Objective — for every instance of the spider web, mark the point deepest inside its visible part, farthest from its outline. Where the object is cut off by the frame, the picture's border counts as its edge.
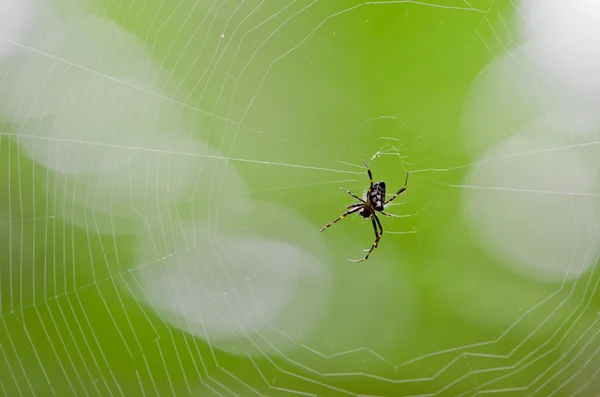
(167, 166)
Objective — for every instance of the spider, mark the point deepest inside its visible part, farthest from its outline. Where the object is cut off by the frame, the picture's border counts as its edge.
(368, 208)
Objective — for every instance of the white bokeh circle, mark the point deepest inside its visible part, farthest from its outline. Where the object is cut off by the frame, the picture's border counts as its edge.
(234, 291)
(531, 201)
(564, 38)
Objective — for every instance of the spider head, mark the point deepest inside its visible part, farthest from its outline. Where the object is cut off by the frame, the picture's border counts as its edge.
(365, 212)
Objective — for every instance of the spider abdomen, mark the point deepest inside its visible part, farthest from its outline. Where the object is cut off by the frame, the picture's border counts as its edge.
(377, 196)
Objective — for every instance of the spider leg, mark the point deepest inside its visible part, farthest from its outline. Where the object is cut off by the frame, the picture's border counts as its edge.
(379, 223)
(399, 191)
(378, 234)
(392, 215)
(369, 172)
(341, 217)
(354, 205)
(353, 195)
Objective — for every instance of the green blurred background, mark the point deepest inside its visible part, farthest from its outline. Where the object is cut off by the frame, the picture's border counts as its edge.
(293, 95)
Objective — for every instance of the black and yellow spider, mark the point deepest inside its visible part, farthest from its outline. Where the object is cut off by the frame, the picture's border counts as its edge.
(368, 207)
